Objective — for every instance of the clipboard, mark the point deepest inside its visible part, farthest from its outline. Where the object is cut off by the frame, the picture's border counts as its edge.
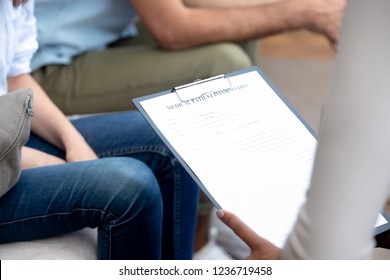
(288, 163)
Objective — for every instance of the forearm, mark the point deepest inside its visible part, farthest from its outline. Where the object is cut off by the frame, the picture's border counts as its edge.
(227, 3)
(35, 158)
(48, 121)
(198, 26)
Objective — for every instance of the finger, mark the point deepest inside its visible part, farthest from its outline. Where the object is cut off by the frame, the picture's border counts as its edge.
(242, 230)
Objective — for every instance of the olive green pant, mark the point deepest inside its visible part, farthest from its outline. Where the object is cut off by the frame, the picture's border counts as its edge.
(108, 80)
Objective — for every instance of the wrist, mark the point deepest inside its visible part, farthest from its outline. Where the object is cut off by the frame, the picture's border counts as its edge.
(71, 138)
(297, 15)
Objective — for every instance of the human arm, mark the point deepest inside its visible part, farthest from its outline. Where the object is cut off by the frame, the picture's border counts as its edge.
(177, 26)
(52, 125)
(227, 3)
(49, 123)
(34, 158)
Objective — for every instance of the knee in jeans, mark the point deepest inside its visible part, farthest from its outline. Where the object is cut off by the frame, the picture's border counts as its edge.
(131, 183)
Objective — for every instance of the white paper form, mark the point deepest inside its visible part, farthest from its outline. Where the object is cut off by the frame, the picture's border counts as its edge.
(252, 154)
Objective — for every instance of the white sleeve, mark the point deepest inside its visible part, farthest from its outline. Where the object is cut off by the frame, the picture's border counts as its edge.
(351, 175)
(25, 39)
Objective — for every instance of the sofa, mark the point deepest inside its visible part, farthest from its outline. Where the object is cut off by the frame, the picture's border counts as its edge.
(79, 245)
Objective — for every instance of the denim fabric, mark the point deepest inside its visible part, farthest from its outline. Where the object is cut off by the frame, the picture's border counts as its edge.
(138, 215)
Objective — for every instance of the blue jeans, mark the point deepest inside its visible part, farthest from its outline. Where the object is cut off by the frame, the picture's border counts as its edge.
(140, 198)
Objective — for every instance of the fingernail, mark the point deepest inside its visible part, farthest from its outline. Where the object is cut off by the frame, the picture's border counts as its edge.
(220, 213)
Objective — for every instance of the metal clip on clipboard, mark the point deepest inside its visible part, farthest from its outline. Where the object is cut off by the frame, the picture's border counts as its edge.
(199, 87)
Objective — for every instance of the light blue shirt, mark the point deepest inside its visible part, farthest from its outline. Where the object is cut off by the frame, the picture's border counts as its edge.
(17, 40)
(67, 28)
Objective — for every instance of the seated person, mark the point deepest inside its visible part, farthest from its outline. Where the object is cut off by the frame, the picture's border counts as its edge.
(350, 179)
(109, 172)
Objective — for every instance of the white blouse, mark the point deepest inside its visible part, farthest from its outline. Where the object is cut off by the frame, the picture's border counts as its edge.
(17, 40)
(351, 177)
